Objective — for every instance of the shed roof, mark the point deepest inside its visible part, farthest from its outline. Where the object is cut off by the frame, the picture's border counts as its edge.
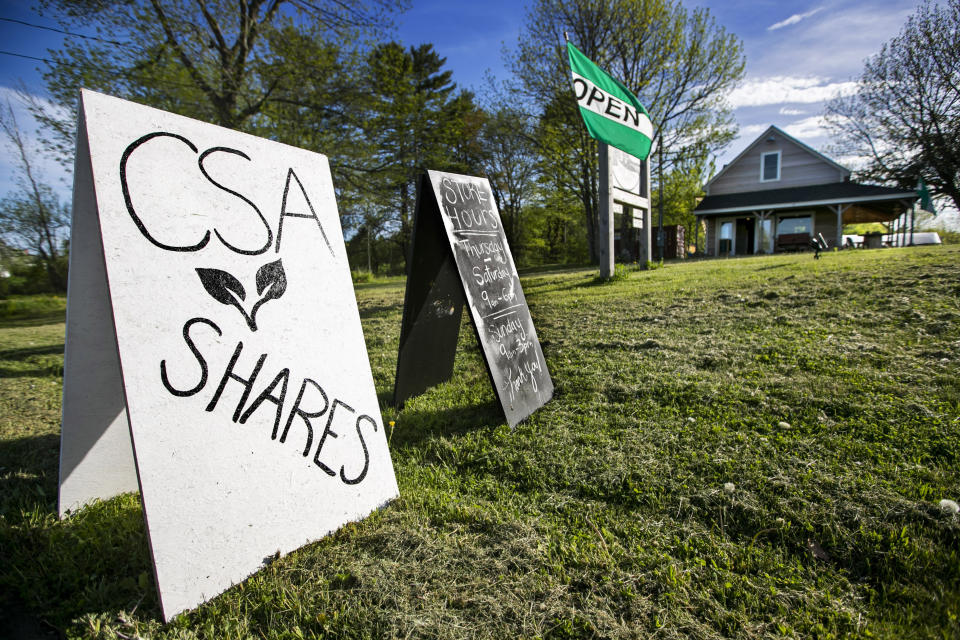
(886, 200)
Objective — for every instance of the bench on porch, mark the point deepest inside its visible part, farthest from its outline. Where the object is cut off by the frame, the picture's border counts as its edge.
(793, 242)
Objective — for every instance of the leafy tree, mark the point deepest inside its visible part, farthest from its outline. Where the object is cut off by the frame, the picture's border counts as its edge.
(326, 113)
(679, 63)
(553, 229)
(568, 160)
(905, 114)
(34, 220)
(509, 162)
(216, 60)
(682, 185)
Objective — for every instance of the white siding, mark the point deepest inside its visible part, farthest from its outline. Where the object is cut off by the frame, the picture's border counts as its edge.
(798, 168)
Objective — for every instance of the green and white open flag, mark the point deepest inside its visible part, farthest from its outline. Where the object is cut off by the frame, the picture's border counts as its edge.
(612, 114)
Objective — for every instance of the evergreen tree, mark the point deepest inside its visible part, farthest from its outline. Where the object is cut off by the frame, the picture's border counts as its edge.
(415, 122)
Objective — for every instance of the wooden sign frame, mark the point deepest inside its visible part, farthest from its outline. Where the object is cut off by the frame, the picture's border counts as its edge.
(460, 255)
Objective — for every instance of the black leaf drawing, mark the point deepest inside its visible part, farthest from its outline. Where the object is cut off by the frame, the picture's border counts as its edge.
(271, 284)
(222, 286)
(271, 274)
(225, 289)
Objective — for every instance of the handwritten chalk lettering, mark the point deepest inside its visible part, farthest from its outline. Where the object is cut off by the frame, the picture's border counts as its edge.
(472, 218)
(507, 295)
(488, 275)
(492, 290)
(532, 368)
(491, 301)
(523, 374)
(502, 330)
(522, 347)
(197, 244)
(483, 250)
(515, 382)
(458, 192)
(311, 402)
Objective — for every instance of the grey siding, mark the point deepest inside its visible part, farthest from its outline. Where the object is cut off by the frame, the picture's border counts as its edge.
(825, 222)
(798, 167)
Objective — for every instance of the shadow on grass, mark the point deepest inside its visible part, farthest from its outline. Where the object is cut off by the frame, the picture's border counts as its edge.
(550, 269)
(56, 571)
(33, 320)
(23, 354)
(392, 282)
(367, 312)
(54, 370)
(417, 425)
(44, 367)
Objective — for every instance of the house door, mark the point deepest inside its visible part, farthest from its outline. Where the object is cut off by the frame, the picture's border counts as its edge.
(745, 236)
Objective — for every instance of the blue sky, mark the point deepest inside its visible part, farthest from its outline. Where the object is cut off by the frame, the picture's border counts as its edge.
(798, 54)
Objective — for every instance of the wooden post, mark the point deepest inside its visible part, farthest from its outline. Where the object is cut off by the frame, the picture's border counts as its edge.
(646, 238)
(840, 209)
(913, 221)
(605, 224)
(660, 213)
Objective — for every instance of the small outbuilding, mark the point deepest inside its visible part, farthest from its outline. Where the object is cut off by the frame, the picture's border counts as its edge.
(779, 193)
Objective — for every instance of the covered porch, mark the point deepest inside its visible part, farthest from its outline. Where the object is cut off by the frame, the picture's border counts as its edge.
(776, 220)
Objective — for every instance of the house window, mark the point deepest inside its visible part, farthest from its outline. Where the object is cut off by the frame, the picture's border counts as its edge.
(725, 240)
(801, 224)
(770, 166)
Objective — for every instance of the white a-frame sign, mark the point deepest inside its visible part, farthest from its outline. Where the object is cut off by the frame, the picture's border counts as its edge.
(214, 357)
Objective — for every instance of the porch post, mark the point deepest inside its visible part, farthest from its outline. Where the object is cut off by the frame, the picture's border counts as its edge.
(913, 221)
(840, 209)
(756, 232)
(761, 217)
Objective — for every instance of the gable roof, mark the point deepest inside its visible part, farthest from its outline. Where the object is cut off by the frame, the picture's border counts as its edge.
(774, 128)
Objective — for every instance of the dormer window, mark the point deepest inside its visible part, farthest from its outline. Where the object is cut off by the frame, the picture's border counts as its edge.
(770, 166)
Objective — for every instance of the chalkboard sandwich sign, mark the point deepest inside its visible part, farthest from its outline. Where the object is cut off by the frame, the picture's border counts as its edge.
(214, 355)
(460, 254)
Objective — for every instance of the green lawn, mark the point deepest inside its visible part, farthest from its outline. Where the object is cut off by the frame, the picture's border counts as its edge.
(737, 448)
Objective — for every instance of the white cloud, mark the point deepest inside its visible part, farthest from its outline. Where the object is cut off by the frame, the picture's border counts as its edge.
(794, 19)
(788, 89)
(751, 131)
(807, 129)
(854, 163)
(787, 111)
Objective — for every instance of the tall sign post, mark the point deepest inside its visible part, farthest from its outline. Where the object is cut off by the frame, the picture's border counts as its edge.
(605, 224)
(660, 203)
(614, 117)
